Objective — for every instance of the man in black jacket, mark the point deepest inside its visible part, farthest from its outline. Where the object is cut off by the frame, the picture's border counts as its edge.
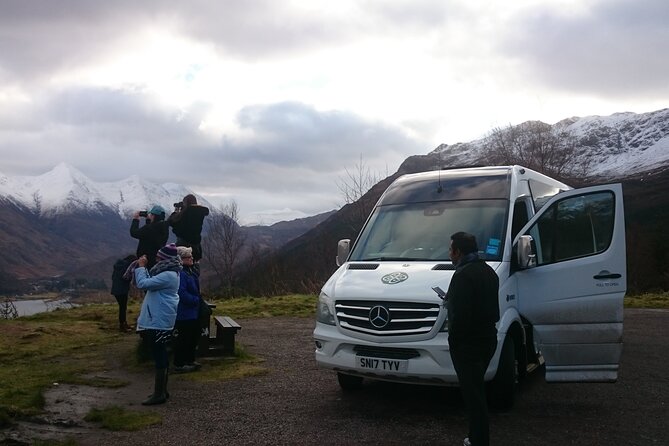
(473, 310)
(152, 236)
(186, 222)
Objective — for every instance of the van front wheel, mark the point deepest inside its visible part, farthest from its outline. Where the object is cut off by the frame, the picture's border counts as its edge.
(349, 382)
(502, 388)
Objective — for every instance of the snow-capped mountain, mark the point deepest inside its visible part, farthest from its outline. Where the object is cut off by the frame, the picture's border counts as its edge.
(66, 190)
(617, 145)
(62, 221)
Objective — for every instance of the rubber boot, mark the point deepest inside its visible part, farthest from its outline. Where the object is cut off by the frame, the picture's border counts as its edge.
(158, 396)
(167, 393)
(167, 374)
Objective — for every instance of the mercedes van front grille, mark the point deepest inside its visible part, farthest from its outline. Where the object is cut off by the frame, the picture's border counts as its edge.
(386, 318)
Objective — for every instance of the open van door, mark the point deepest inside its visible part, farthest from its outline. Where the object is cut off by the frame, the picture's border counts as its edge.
(572, 280)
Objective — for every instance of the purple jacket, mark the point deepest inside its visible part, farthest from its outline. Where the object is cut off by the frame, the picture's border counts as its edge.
(189, 295)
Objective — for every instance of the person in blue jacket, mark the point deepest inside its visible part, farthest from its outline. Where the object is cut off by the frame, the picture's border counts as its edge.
(187, 326)
(159, 311)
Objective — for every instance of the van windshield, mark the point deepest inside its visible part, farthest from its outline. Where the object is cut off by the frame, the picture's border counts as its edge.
(422, 231)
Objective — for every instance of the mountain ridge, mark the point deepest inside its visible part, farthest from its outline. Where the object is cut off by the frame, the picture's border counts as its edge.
(622, 142)
(66, 190)
(84, 222)
(622, 155)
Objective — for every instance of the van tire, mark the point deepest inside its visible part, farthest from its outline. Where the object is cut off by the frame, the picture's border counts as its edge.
(349, 383)
(502, 388)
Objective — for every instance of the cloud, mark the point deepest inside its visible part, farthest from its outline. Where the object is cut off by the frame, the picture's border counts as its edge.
(286, 154)
(59, 36)
(54, 36)
(613, 48)
(299, 152)
(296, 134)
(269, 101)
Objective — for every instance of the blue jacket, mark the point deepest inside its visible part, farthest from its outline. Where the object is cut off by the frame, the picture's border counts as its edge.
(189, 296)
(159, 309)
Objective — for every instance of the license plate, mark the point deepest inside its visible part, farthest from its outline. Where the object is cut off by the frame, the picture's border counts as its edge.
(386, 365)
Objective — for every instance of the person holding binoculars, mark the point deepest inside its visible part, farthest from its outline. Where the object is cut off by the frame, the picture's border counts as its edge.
(186, 222)
(153, 235)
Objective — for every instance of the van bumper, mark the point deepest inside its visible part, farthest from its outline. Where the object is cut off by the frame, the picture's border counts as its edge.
(430, 361)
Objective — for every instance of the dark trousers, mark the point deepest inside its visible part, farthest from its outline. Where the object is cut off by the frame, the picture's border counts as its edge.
(157, 341)
(471, 359)
(187, 335)
(122, 300)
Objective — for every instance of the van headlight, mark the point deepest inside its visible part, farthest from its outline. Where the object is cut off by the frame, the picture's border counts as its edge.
(325, 310)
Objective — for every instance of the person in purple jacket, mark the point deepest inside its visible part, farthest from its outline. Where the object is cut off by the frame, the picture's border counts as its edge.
(187, 326)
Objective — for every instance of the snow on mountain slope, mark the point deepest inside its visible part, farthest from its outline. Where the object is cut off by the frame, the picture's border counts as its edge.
(616, 145)
(64, 189)
(623, 143)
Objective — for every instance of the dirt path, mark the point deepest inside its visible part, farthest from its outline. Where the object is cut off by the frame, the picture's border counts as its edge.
(297, 403)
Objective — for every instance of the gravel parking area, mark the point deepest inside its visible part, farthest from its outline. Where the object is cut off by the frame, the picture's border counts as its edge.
(298, 403)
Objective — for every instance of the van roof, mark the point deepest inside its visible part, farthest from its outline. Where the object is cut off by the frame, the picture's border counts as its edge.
(453, 184)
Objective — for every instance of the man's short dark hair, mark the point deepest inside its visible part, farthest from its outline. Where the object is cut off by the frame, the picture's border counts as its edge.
(464, 242)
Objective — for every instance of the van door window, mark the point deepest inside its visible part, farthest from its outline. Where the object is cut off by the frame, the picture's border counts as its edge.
(575, 227)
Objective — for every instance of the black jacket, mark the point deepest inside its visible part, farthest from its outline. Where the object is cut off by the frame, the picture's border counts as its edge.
(187, 224)
(151, 236)
(473, 306)
(120, 286)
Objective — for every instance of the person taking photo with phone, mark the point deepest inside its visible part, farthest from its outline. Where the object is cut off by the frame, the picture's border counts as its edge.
(153, 235)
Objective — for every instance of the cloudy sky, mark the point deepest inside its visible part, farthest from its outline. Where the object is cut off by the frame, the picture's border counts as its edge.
(269, 102)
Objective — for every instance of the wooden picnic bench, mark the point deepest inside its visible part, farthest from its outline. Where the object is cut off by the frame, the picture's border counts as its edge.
(221, 340)
(226, 329)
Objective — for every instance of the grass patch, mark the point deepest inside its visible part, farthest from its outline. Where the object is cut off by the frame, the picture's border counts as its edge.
(648, 300)
(225, 368)
(62, 346)
(116, 418)
(71, 346)
(5, 419)
(296, 305)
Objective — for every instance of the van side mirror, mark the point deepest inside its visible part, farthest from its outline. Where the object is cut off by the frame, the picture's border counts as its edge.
(343, 249)
(527, 257)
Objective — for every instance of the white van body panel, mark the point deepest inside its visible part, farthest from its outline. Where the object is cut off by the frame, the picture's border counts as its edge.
(558, 310)
(433, 365)
(576, 306)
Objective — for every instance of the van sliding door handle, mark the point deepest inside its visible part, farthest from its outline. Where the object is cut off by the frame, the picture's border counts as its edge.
(607, 275)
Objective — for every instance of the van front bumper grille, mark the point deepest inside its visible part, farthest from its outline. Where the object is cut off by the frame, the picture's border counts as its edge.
(387, 318)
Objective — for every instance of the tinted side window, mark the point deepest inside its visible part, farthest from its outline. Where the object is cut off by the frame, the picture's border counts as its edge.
(575, 227)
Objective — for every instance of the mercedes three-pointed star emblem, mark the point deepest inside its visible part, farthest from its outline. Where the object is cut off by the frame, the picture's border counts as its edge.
(379, 316)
